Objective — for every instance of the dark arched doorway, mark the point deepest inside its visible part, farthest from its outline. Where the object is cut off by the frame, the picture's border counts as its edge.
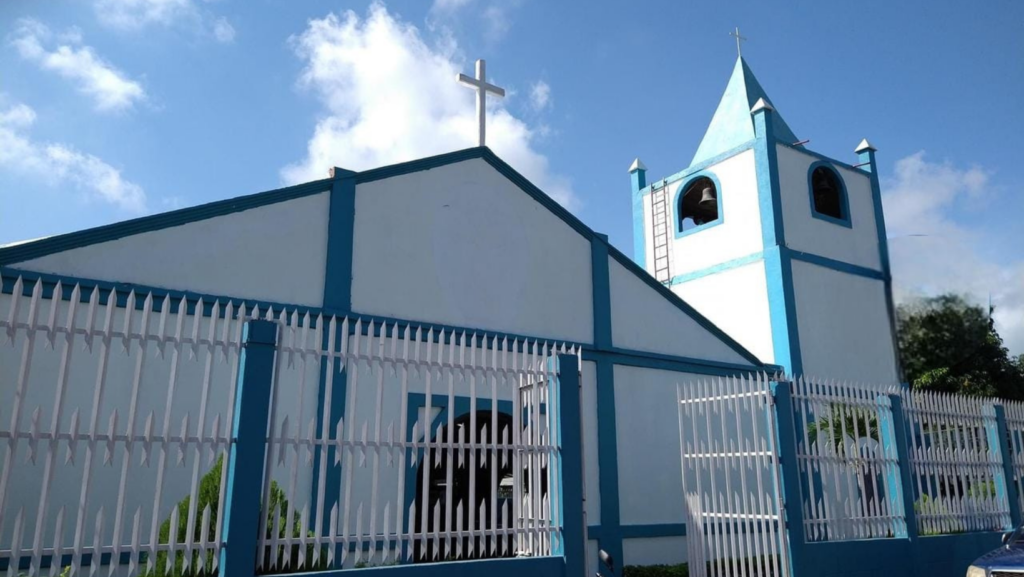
(486, 483)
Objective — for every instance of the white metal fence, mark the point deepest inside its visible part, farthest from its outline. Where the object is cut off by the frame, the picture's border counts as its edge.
(445, 447)
(115, 405)
(730, 470)
(957, 463)
(1014, 411)
(850, 477)
(387, 443)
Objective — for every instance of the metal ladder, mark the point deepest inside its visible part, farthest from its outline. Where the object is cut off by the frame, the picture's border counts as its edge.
(660, 221)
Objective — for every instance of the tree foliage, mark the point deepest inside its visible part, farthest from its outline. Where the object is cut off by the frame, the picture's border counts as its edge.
(949, 345)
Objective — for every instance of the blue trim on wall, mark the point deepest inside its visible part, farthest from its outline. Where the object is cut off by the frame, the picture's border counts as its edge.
(720, 267)
(518, 567)
(673, 363)
(868, 156)
(695, 168)
(639, 232)
(833, 264)
(844, 201)
(63, 242)
(819, 156)
(608, 458)
(778, 268)
(340, 239)
(677, 205)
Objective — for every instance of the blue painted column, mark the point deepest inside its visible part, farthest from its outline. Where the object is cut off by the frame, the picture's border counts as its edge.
(790, 477)
(866, 159)
(570, 435)
(893, 431)
(245, 469)
(778, 265)
(610, 538)
(638, 179)
(337, 301)
(1011, 478)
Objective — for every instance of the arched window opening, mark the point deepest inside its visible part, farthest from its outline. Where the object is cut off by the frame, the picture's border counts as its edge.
(827, 193)
(698, 204)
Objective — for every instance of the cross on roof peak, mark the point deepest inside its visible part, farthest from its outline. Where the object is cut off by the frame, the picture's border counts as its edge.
(482, 88)
(736, 34)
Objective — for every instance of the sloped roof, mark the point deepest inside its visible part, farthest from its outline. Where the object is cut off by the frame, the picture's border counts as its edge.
(732, 124)
(12, 254)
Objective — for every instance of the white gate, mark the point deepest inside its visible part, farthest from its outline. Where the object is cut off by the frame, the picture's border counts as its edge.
(730, 471)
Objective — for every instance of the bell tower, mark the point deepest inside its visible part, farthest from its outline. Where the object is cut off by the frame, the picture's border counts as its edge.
(782, 247)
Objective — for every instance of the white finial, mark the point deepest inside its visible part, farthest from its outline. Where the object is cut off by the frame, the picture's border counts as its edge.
(761, 104)
(482, 88)
(864, 145)
(736, 34)
(637, 165)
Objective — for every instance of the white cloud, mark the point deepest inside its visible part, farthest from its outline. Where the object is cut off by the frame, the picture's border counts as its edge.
(389, 97)
(223, 31)
(540, 95)
(933, 251)
(134, 15)
(56, 164)
(108, 87)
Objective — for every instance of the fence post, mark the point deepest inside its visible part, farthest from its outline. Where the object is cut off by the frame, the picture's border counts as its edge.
(570, 434)
(906, 480)
(1009, 481)
(785, 431)
(242, 507)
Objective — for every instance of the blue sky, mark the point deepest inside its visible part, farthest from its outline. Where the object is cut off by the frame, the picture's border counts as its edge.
(111, 109)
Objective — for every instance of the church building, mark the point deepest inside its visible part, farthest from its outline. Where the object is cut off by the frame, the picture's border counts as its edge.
(761, 256)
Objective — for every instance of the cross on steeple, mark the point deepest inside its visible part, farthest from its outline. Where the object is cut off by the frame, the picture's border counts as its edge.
(482, 88)
(739, 39)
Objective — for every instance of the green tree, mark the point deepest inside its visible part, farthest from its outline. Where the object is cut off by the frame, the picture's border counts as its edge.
(949, 345)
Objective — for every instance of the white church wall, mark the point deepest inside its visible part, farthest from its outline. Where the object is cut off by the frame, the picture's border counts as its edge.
(736, 300)
(739, 233)
(591, 463)
(463, 245)
(844, 326)
(644, 320)
(647, 429)
(857, 245)
(272, 253)
(654, 551)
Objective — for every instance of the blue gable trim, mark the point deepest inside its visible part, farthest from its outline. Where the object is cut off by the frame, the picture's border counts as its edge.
(844, 201)
(820, 156)
(63, 242)
(677, 205)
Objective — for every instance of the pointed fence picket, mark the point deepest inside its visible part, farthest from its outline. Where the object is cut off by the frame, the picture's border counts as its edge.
(121, 402)
(730, 472)
(849, 469)
(957, 463)
(412, 486)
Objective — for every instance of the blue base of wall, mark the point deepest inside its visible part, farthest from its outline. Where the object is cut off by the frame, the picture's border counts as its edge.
(527, 566)
(937, 556)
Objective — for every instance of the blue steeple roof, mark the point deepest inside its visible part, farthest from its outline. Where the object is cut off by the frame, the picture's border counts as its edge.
(732, 124)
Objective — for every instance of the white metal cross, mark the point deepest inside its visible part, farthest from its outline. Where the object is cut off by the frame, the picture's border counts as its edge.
(739, 39)
(482, 88)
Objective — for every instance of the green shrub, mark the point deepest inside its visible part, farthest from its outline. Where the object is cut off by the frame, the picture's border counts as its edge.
(680, 570)
(209, 495)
